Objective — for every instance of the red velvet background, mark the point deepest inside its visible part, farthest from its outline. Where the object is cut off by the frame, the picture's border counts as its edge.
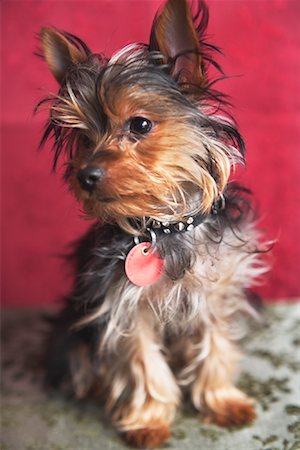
(260, 40)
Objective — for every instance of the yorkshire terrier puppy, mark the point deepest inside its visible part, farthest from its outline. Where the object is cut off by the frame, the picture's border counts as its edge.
(163, 274)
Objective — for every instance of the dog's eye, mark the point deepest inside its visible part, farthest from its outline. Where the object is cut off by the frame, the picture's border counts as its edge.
(140, 125)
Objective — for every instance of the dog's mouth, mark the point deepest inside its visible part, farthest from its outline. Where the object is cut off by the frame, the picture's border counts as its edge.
(105, 199)
(106, 202)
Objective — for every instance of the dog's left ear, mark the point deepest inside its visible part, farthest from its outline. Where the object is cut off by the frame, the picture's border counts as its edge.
(60, 52)
(174, 35)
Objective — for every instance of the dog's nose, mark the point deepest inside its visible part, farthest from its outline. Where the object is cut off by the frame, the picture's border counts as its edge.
(89, 177)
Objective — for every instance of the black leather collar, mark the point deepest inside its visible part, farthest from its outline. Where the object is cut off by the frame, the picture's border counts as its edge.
(188, 224)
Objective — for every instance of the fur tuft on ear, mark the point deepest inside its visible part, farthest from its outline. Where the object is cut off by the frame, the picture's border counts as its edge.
(175, 34)
(61, 50)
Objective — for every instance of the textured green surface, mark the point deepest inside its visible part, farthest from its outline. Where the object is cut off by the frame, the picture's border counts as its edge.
(33, 419)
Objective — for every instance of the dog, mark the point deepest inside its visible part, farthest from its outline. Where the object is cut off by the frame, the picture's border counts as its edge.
(164, 273)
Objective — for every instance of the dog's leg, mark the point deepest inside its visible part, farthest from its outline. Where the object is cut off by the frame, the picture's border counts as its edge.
(212, 390)
(143, 393)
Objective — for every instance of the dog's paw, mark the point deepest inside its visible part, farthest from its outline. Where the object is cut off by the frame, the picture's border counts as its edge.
(229, 408)
(147, 437)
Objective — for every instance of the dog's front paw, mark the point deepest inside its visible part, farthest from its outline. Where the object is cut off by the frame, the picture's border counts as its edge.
(147, 437)
(229, 408)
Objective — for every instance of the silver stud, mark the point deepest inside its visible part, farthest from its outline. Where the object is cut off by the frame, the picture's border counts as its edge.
(190, 227)
(167, 231)
(179, 226)
(190, 220)
(156, 224)
(165, 224)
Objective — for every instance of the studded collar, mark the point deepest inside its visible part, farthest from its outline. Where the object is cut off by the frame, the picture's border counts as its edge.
(188, 224)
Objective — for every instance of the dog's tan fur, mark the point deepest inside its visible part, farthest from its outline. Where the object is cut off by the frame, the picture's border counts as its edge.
(180, 332)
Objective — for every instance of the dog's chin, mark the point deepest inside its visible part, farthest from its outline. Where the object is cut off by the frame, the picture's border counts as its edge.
(106, 200)
(103, 208)
(111, 209)
(112, 206)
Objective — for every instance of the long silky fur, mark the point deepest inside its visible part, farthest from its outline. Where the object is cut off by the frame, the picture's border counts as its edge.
(114, 337)
(100, 257)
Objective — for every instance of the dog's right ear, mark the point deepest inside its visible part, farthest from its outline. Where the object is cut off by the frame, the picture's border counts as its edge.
(61, 51)
(175, 35)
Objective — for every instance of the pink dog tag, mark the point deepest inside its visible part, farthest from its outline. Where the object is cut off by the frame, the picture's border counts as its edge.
(143, 266)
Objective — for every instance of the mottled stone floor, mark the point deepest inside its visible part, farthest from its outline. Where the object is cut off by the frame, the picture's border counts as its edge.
(34, 419)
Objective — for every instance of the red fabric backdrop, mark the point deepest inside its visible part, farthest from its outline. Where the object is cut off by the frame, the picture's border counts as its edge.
(261, 42)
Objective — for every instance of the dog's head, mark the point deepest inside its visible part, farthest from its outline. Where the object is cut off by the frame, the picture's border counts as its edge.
(143, 131)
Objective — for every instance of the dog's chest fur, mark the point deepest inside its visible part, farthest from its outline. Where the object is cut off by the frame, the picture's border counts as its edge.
(204, 280)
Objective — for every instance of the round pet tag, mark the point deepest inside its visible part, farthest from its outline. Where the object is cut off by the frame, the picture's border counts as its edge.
(143, 266)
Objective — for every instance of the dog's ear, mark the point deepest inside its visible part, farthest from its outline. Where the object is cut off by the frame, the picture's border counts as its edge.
(60, 52)
(174, 35)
